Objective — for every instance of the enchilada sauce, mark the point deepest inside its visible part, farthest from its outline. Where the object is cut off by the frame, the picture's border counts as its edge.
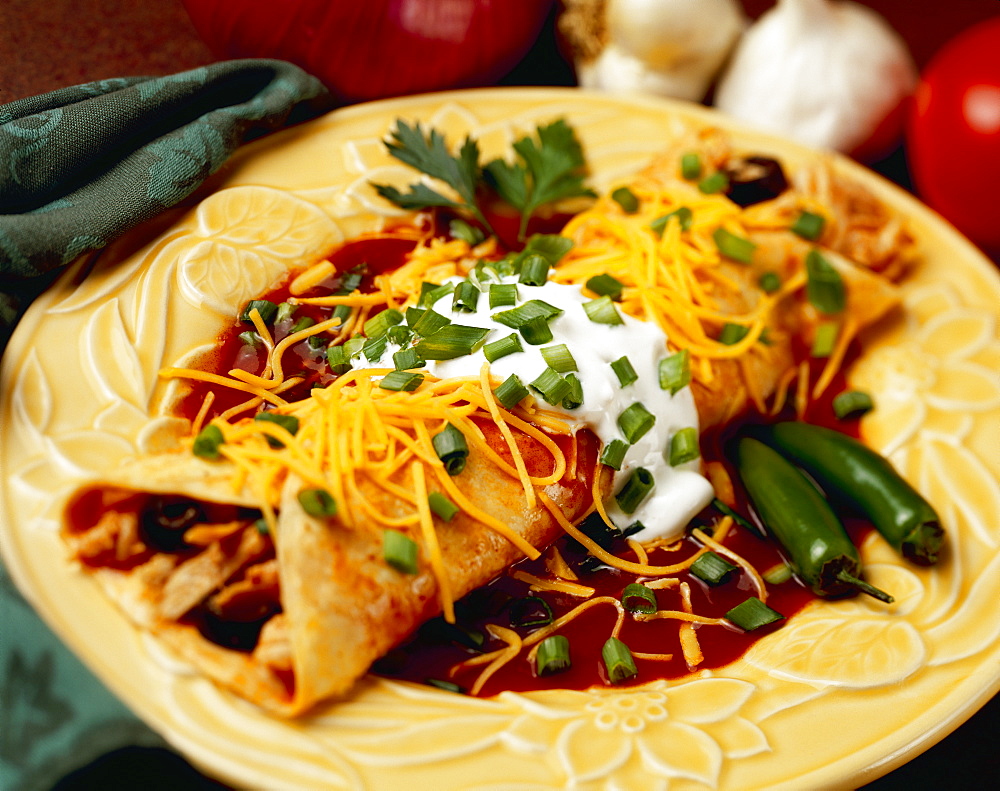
(434, 653)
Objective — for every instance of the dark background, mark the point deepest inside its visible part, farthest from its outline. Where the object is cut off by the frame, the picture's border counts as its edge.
(49, 44)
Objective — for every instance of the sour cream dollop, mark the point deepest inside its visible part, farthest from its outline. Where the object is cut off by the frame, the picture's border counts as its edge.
(679, 492)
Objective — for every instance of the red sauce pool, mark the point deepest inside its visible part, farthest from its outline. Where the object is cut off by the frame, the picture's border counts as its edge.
(438, 647)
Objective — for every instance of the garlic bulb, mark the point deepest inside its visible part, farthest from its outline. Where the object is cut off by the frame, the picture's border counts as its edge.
(667, 47)
(825, 73)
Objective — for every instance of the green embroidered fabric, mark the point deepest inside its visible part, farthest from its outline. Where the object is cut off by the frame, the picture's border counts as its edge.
(78, 167)
(81, 165)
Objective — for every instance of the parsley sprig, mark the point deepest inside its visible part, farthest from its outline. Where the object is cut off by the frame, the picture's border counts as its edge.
(547, 169)
(551, 170)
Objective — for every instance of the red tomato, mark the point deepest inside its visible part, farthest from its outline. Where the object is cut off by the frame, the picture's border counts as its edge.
(371, 49)
(953, 133)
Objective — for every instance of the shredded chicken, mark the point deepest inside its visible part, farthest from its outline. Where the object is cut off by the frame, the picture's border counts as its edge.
(115, 532)
(196, 578)
(253, 596)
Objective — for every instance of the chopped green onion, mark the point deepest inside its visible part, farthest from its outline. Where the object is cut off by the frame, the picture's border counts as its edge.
(515, 318)
(374, 348)
(684, 446)
(442, 506)
(351, 281)
(691, 166)
(825, 339)
(602, 311)
(413, 316)
(684, 217)
(455, 340)
(534, 271)
(510, 392)
(251, 338)
(317, 341)
(573, 399)
(447, 686)
(624, 371)
(824, 287)
(536, 331)
(733, 247)
(618, 661)
(552, 246)
(342, 312)
(502, 294)
(285, 311)
(426, 288)
(712, 568)
(428, 299)
(770, 282)
(714, 183)
(451, 448)
(852, 403)
(552, 386)
(777, 574)
(399, 551)
(635, 421)
(530, 611)
(400, 334)
(483, 276)
(605, 285)
(264, 307)
(318, 503)
(613, 454)
(401, 381)
(752, 614)
(559, 358)
(338, 359)
(353, 346)
(736, 517)
(461, 230)
(625, 198)
(675, 371)
(732, 334)
(262, 527)
(466, 297)
(206, 444)
(429, 322)
(289, 423)
(552, 655)
(379, 324)
(636, 489)
(501, 348)
(638, 598)
(405, 359)
(809, 226)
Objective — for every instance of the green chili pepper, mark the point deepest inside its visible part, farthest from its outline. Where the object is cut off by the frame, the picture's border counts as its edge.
(796, 514)
(858, 476)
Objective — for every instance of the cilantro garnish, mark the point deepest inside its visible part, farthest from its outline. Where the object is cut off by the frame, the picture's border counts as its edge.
(547, 169)
(430, 155)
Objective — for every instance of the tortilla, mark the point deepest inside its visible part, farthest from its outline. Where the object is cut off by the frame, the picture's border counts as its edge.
(335, 605)
(341, 605)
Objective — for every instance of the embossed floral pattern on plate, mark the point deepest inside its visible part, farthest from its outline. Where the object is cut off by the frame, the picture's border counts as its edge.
(880, 678)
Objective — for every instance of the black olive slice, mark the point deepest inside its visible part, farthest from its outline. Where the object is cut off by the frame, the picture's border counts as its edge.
(164, 520)
(754, 179)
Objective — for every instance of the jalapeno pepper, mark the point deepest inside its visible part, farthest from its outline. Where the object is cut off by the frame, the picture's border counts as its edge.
(858, 476)
(794, 511)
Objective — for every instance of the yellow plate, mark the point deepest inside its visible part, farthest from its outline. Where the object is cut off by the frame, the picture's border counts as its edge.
(843, 693)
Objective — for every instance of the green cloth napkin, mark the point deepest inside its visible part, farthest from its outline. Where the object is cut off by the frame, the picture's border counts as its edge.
(81, 165)
(78, 167)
